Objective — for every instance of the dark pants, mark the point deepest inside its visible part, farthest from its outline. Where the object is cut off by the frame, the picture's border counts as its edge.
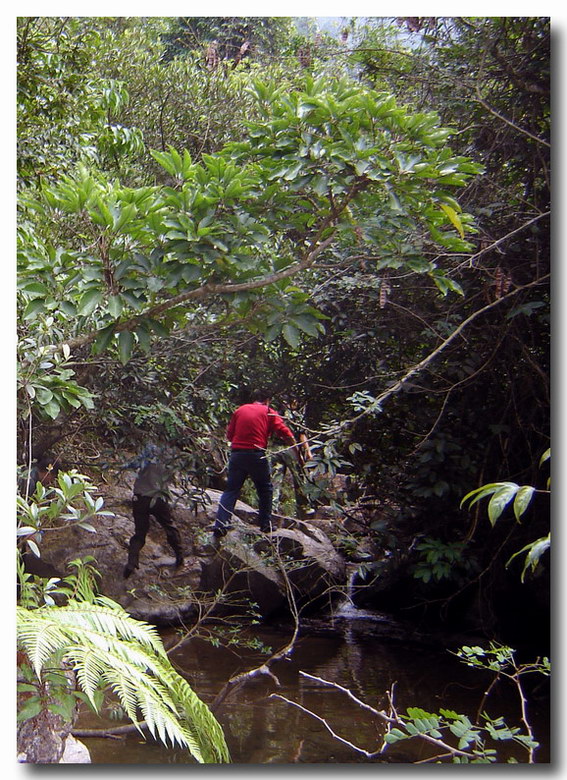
(243, 464)
(142, 508)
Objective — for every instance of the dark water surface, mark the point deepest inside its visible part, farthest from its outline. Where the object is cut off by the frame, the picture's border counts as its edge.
(357, 654)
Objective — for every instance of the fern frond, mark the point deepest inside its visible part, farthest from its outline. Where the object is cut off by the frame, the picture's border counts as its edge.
(110, 619)
(197, 713)
(108, 649)
(89, 668)
(40, 638)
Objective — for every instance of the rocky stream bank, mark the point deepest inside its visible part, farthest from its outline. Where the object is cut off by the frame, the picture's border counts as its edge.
(245, 571)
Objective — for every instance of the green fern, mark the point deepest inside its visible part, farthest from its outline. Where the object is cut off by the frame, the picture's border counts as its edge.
(107, 648)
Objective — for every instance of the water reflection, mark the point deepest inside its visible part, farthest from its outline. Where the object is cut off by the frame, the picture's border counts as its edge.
(261, 729)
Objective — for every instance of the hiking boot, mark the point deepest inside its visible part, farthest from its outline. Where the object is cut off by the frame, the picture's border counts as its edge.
(219, 531)
(266, 528)
(127, 571)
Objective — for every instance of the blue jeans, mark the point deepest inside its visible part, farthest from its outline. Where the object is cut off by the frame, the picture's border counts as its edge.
(243, 464)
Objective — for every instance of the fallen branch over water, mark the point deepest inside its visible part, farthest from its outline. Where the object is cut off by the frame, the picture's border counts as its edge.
(117, 732)
(264, 669)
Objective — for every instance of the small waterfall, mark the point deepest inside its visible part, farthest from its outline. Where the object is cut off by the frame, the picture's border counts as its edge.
(347, 610)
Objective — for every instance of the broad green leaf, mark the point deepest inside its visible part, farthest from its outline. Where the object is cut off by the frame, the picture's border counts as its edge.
(68, 308)
(534, 552)
(293, 171)
(485, 490)
(43, 395)
(103, 339)
(165, 160)
(305, 108)
(33, 547)
(125, 215)
(320, 185)
(454, 218)
(187, 164)
(191, 272)
(522, 500)
(71, 399)
(25, 530)
(52, 408)
(218, 244)
(307, 323)
(158, 328)
(115, 306)
(29, 709)
(33, 289)
(34, 307)
(101, 214)
(89, 301)
(291, 335)
(133, 300)
(144, 338)
(499, 501)
(273, 332)
(125, 344)
(87, 527)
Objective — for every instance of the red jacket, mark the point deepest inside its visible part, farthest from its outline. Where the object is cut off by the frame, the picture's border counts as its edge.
(251, 425)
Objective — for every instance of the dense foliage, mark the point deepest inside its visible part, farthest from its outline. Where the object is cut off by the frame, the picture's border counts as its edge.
(360, 222)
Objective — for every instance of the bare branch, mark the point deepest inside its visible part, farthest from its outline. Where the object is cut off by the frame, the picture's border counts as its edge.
(264, 669)
(351, 745)
(499, 241)
(507, 121)
(438, 743)
(418, 367)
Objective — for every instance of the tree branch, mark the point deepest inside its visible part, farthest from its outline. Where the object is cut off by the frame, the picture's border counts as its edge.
(416, 369)
(507, 121)
(389, 720)
(208, 290)
(470, 260)
(368, 754)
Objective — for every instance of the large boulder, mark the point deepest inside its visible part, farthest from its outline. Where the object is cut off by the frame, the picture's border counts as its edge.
(265, 569)
(246, 579)
(161, 594)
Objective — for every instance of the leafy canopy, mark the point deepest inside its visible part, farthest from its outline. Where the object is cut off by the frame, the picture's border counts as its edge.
(119, 265)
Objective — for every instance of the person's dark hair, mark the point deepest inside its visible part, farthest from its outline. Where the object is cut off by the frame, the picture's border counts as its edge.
(261, 395)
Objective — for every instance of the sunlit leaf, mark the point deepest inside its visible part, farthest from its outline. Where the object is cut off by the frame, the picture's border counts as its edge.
(522, 500)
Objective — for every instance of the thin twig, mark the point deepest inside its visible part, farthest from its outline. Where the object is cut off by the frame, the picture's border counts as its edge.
(379, 713)
(470, 260)
(369, 754)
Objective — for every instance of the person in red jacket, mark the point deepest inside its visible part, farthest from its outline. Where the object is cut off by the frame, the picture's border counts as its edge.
(249, 430)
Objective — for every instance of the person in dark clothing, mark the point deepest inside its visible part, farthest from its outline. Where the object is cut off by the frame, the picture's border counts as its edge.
(249, 430)
(151, 497)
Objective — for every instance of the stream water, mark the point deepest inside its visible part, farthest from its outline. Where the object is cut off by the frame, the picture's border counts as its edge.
(358, 650)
